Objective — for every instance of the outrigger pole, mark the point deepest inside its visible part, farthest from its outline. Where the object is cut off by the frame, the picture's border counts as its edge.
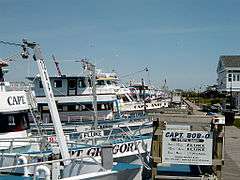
(38, 57)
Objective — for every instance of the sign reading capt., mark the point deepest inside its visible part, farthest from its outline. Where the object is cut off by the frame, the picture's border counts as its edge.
(13, 101)
(16, 100)
(187, 147)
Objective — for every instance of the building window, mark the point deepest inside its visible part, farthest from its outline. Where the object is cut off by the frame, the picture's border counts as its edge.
(100, 83)
(11, 121)
(60, 107)
(58, 83)
(40, 84)
(109, 82)
(45, 108)
(230, 77)
(72, 83)
(238, 77)
(82, 83)
(89, 82)
(234, 77)
(71, 107)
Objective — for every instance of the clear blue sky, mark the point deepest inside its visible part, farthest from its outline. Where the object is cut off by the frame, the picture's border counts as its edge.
(180, 40)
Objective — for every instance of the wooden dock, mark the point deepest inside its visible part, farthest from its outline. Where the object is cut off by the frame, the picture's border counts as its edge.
(196, 123)
(231, 168)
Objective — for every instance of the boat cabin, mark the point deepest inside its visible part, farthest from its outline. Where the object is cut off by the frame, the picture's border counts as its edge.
(14, 118)
(73, 95)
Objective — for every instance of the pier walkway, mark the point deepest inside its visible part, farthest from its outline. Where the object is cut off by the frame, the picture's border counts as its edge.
(191, 105)
(231, 168)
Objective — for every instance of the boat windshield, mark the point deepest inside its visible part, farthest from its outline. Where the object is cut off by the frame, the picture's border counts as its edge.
(14, 122)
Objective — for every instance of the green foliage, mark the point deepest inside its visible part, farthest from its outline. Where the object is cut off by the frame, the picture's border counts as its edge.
(237, 123)
(206, 101)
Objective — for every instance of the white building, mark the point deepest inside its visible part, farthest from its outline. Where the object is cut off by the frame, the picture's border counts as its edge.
(228, 79)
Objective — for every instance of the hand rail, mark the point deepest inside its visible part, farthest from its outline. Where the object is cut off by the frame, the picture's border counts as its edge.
(54, 161)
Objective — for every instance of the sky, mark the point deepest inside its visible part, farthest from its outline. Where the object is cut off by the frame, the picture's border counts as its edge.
(178, 40)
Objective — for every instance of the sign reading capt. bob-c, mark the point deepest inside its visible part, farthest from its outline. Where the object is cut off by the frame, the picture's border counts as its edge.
(187, 147)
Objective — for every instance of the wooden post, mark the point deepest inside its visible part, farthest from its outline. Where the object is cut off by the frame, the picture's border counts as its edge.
(158, 127)
(219, 151)
(218, 137)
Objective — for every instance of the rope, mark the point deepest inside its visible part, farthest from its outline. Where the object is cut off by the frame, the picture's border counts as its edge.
(137, 72)
(12, 57)
(10, 43)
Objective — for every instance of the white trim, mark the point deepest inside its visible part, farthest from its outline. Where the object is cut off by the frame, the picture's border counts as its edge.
(91, 175)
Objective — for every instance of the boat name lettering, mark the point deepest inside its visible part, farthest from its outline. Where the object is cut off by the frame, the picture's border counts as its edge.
(155, 105)
(118, 148)
(140, 106)
(16, 100)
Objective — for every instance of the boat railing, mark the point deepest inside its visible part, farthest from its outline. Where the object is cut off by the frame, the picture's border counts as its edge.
(109, 126)
(49, 168)
(82, 118)
(8, 144)
(126, 133)
(131, 135)
(41, 143)
(101, 90)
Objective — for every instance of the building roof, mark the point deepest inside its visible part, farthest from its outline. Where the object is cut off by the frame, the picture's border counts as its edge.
(230, 61)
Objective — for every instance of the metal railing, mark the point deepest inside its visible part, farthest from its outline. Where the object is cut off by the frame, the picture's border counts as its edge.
(46, 164)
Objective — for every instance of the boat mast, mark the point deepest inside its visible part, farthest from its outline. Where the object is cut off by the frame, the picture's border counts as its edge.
(2, 64)
(2, 86)
(57, 66)
(38, 57)
(87, 66)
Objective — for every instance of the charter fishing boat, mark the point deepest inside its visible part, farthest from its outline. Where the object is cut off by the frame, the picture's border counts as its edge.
(75, 102)
(14, 109)
(47, 162)
(74, 97)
